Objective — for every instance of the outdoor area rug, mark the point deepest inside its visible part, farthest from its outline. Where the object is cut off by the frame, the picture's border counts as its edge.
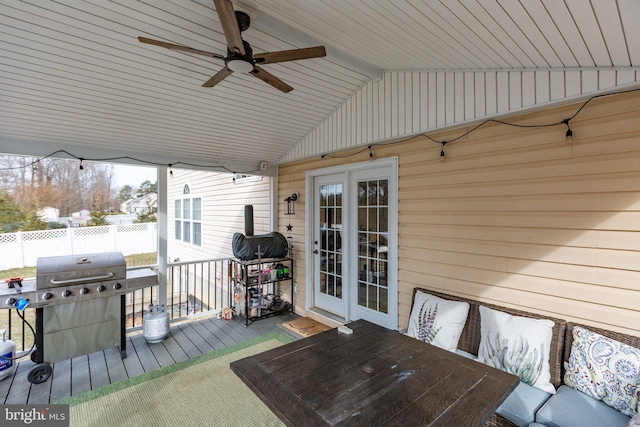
(306, 326)
(202, 391)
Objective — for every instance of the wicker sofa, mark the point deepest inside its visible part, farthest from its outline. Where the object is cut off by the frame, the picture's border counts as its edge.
(568, 407)
(470, 340)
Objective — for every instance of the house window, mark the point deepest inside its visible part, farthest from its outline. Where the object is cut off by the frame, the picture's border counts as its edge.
(188, 218)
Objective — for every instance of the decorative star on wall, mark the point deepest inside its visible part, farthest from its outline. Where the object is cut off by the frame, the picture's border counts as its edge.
(289, 227)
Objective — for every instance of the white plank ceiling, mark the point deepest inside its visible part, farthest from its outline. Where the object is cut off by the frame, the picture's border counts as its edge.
(74, 77)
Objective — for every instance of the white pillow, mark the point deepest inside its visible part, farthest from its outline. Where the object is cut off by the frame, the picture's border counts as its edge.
(518, 345)
(437, 321)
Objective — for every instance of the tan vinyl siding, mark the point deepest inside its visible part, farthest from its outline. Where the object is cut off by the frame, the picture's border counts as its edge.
(516, 216)
(222, 211)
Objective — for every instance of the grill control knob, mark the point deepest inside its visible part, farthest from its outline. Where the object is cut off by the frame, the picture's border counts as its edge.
(84, 291)
(117, 286)
(47, 296)
(101, 288)
(11, 301)
(66, 293)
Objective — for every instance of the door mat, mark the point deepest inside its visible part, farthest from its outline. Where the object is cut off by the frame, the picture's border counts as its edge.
(306, 326)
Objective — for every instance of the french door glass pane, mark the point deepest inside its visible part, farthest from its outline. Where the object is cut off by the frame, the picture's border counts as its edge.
(331, 240)
(373, 227)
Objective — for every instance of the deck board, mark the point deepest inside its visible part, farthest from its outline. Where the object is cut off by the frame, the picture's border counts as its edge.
(115, 364)
(80, 378)
(184, 342)
(19, 392)
(132, 362)
(161, 354)
(148, 360)
(88, 372)
(173, 348)
(61, 381)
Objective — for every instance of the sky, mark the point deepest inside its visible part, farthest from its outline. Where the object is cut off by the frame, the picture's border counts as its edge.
(133, 175)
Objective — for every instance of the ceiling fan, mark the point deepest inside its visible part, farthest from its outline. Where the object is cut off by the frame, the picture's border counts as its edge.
(240, 57)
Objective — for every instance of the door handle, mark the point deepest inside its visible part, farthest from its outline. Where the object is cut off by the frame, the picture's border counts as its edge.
(315, 252)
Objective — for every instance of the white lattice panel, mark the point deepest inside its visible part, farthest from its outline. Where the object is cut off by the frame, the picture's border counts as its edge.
(44, 235)
(8, 238)
(91, 231)
(132, 228)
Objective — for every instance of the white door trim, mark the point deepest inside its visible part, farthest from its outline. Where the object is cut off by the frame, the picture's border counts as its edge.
(309, 224)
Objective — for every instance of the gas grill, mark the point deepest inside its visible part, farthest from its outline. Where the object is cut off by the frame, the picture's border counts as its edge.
(80, 305)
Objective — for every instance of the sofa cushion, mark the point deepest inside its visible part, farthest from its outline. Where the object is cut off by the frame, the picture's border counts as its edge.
(466, 354)
(522, 404)
(437, 321)
(604, 369)
(569, 407)
(518, 345)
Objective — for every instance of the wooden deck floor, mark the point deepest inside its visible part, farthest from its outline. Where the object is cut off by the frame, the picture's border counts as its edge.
(185, 341)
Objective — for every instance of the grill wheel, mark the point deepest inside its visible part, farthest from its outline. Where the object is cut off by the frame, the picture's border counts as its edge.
(39, 373)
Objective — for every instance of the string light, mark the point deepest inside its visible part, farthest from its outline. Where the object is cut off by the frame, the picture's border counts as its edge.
(170, 170)
(568, 134)
(130, 159)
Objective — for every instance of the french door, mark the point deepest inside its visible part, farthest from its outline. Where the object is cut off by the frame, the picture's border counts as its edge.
(353, 243)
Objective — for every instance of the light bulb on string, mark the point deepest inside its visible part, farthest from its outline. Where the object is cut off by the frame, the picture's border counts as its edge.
(442, 150)
(568, 138)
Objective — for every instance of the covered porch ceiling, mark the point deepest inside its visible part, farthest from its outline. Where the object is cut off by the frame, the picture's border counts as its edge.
(75, 77)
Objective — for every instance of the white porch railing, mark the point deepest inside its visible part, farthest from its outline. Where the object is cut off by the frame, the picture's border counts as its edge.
(22, 249)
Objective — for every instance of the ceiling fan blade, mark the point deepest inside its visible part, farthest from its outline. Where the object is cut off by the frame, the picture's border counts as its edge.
(220, 76)
(179, 47)
(290, 55)
(271, 79)
(229, 25)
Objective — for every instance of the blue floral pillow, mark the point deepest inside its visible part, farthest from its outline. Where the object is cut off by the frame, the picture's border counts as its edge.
(604, 369)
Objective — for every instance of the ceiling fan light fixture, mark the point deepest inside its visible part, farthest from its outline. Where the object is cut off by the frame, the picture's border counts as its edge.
(239, 65)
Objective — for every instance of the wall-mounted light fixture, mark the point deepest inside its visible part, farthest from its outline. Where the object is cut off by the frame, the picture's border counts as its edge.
(290, 208)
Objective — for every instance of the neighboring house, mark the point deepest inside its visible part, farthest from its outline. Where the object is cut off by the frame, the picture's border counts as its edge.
(80, 218)
(205, 209)
(125, 206)
(49, 214)
(140, 205)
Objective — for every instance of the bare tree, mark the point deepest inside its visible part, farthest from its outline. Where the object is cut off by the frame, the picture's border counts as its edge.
(35, 183)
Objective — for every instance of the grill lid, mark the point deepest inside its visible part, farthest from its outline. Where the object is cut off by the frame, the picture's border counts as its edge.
(73, 269)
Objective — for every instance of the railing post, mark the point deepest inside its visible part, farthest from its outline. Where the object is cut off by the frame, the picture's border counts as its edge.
(20, 242)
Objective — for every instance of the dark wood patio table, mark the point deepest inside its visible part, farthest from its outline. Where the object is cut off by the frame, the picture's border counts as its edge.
(373, 377)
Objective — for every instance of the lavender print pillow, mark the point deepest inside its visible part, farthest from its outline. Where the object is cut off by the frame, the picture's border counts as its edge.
(437, 321)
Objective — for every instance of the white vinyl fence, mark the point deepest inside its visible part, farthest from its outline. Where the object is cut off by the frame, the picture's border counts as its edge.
(22, 249)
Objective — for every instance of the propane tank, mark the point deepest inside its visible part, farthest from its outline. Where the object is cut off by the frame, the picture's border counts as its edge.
(155, 324)
(7, 356)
